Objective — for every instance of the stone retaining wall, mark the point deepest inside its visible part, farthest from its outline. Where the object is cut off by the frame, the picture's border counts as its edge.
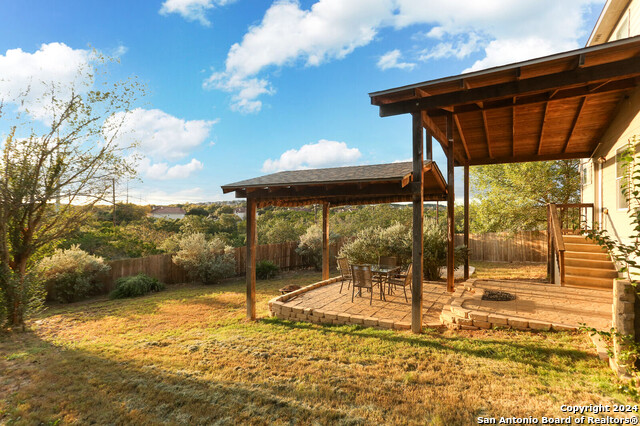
(281, 308)
(623, 311)
(455, 316)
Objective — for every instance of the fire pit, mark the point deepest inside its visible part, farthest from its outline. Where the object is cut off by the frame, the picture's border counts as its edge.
(498, 296)
(289, 289)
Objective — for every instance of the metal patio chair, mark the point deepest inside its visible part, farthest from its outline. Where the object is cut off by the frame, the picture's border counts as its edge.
(403, 281)
(345, 271)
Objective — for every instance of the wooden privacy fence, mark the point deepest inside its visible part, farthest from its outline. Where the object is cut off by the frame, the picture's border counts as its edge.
(524, 246)
(160, 266)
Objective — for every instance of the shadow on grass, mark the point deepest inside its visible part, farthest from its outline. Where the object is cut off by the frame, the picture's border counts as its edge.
(529, 354)
(55, 384)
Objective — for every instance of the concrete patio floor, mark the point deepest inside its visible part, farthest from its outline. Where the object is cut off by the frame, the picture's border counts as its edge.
(548, 303)
(537, 306)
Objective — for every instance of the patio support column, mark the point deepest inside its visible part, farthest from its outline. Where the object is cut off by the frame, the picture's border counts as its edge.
(429, 146)
(325, 241)
(418, 200)
(251, 259)
(466, 220)
(451, 226)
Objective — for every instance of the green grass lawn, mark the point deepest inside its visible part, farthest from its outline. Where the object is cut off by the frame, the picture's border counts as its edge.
(187, 355)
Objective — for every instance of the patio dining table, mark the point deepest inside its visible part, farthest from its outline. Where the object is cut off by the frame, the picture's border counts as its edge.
(383, 273)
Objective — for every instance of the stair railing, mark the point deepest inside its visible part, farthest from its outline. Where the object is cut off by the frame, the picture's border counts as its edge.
(555, 245)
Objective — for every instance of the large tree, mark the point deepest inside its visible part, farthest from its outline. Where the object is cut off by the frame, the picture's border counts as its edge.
(53, 168)
(512, 197)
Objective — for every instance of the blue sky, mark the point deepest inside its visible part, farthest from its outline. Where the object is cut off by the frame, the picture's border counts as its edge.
(241, 88)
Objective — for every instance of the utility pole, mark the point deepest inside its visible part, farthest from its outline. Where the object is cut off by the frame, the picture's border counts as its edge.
(114, 202)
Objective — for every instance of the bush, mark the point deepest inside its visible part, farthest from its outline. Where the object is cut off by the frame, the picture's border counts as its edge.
(137, 285)
(371, 243)
(265, 269)
(206, 261)
(396, 240)
(310, 247)
(72, 274)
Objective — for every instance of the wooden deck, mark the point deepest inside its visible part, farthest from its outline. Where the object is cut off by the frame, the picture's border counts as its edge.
(329, 299)
(539, 306)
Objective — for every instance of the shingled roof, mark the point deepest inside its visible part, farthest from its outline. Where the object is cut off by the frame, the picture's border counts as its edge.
(376, 172)
(378, 183)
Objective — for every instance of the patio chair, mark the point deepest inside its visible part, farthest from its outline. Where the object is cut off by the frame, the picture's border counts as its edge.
(362, 278)
(404, 282)
(345, 271)
(389, 261)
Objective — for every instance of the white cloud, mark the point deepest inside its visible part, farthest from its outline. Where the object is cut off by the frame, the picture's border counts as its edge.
(159, 135)
(162, 171)
(192, 10)
(160, 139)
(163, 196)
(502, 31)
(27, 79)
(330, 30)
(390, 60)
(324, 153)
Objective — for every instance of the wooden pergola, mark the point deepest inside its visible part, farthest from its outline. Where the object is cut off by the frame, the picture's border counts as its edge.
(551, 108)
(332, 187)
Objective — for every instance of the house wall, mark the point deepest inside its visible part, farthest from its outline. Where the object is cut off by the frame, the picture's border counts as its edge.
(604, 188)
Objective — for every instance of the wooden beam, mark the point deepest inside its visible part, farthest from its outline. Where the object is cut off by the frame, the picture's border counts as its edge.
(450, 207)
(325, 241)
(429, 146)
(418, 206)
(513, 130)
(252, 240)
(486, 132)
(462, 138)
(544, 121)
(527, 158)
(574, 123)
(433, 129)
(466, 220)
(543, 97)
(614, 70)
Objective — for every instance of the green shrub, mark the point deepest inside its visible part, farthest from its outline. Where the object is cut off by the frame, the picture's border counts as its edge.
(310, 246)
(265, 269)
(396, 240)
(371, 243)
(72, 274)
(206, 261)
(137, 285)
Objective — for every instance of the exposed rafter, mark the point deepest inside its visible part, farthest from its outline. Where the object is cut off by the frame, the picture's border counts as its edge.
(574, 123)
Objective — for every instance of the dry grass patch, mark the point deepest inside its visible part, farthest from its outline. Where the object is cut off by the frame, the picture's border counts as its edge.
(510, 271)
(187, 355)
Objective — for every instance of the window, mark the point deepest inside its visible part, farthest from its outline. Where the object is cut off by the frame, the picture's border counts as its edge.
(586, 172)
(623, 29)
(620, 179)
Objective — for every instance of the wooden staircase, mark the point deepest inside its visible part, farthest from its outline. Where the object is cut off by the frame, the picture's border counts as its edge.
(587, 264)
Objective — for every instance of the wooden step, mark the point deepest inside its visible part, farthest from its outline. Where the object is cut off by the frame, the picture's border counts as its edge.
(579, 281)
(578, 239)
(591, 248)
(590, 272)
(588, 263)
(585, 255)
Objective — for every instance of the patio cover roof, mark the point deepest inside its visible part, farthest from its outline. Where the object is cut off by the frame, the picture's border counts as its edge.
(556, 107)
(374, 184)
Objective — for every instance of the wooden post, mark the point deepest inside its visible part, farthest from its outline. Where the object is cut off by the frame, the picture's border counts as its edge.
(451, 226)
(251, 258)
(429, 146)
(466, 220)
(325, 241)
(549, 252)
(418, 200)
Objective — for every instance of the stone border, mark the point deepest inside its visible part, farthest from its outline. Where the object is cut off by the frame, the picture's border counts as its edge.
(457, 317)
(279, 307)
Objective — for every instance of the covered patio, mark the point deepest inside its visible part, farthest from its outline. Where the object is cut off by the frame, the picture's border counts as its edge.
(332, 187)
(550, 108)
